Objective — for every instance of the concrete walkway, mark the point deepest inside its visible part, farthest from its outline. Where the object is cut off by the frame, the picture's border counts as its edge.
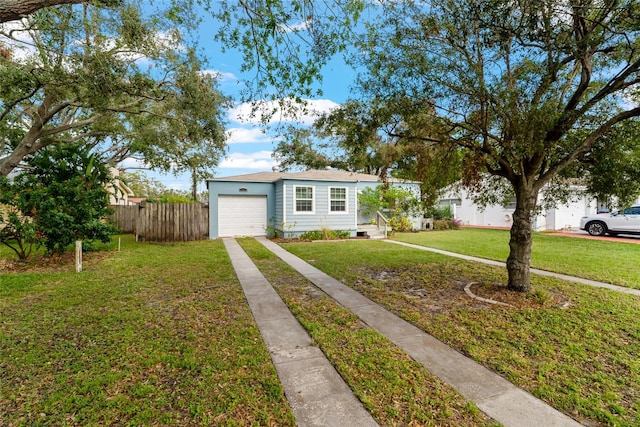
(498, 398)
(533, 270)
(316, 392)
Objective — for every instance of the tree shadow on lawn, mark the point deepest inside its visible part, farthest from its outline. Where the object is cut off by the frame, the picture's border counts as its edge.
(433, 290)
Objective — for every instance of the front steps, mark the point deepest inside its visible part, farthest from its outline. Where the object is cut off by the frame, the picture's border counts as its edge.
(371, 231)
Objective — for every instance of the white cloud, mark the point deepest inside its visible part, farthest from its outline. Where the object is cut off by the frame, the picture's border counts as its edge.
(247, 136)
(294, 28)
(289, 111)
(221, 76)
(178, 186)
(131, 163)
(258, 160)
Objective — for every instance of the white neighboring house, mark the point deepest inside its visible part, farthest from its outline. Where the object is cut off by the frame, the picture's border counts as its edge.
(563, 217)
(119, 192)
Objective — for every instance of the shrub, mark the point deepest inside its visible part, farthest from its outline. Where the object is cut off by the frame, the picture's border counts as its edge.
(325, 234)
(446, 224)
(398, 201)
(400, 224)
(17, 232)
(439, 212)
(60, 200)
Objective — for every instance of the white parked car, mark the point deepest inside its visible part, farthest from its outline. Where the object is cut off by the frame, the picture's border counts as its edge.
(625, 222)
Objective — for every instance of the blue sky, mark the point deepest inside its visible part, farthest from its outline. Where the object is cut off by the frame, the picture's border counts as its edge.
(250, 144)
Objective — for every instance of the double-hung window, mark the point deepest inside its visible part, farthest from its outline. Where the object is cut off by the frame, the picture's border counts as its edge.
(303, 199)
(337, 200)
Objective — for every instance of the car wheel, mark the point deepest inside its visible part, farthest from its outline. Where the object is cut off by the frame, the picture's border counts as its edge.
(597, 228)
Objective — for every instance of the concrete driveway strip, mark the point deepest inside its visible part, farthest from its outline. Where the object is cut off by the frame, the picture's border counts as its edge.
(495, 396)
(316, 392)
(533, 270)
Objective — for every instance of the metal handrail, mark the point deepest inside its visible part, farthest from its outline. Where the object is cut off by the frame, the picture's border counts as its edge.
(381, 218)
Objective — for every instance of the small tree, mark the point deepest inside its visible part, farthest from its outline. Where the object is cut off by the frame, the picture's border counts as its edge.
(17, 232)
(63, 197)
(399, 202)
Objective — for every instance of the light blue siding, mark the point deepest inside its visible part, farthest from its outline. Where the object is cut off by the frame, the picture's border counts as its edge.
(299, 222)
(281, 213)
(279, 217)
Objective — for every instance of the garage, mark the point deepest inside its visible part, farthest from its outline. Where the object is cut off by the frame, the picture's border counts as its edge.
(242, 216)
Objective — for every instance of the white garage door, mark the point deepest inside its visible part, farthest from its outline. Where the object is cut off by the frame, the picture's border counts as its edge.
(242, 216)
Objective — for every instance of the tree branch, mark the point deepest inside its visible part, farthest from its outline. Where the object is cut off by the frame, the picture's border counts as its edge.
(586, 145)
(13, 10)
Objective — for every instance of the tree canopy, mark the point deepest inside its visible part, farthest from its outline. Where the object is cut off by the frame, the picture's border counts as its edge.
(373, 138)
(526, 89)
(115, 79)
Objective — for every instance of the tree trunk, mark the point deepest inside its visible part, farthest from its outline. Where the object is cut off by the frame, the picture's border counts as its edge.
(11, 10)
(194, 185)
(519, 260)
(28, 145)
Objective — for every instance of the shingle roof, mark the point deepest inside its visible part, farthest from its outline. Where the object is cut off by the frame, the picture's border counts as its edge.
(309, 175)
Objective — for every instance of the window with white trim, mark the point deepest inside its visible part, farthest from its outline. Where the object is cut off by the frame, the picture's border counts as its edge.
(303, 199)
(338, 199)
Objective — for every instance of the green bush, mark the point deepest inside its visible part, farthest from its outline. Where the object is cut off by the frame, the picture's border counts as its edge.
(17, 232)
(398, 201)
(400, 224)
(61, 199)
(439, 212)
(325, 234)
(446, 224)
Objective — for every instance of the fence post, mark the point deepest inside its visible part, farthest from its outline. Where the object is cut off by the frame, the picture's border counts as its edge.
(78, 256)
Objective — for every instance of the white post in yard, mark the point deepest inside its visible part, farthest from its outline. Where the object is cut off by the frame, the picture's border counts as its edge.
(78, 256)
(118, 244)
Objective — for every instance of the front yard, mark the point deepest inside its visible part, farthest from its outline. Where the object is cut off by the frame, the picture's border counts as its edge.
(161, 334)
(609, 262)
(152, 335)
(573, 346)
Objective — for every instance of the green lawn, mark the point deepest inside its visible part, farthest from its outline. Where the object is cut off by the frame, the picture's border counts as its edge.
(576, 347)
(152, 335)
(609, 262)
(394, 388)
(162, 335)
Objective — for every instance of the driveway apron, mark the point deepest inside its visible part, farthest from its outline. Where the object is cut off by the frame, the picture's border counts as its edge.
(497, 397)
(317, 394)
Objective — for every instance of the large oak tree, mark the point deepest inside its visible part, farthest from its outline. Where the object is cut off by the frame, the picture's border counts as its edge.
(528, 88)
(113, 78)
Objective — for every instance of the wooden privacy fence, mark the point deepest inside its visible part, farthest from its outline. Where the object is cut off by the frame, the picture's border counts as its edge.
(163, 222)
